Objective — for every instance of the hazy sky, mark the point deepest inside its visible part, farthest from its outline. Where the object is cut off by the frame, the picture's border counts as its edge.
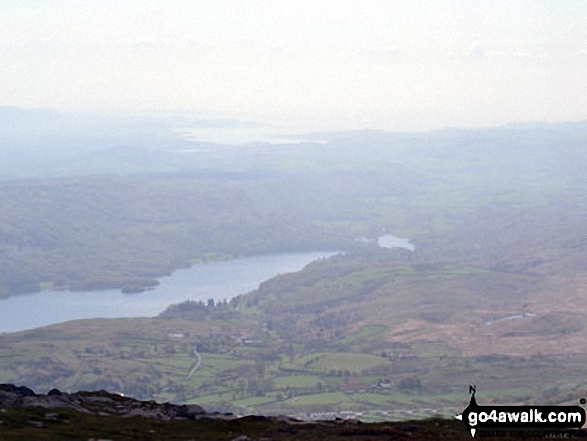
(399, 65)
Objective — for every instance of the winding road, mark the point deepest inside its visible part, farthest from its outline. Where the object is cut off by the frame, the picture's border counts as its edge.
(197, 365)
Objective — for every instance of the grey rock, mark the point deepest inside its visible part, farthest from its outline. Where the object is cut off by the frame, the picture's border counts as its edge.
(97, 403)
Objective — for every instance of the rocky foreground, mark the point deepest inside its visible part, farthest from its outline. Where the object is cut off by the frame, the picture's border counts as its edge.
(25, 415)
(100, 403)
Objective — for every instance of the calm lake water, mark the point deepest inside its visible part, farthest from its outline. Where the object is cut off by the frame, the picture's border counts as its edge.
(217, 280)
(389, 241)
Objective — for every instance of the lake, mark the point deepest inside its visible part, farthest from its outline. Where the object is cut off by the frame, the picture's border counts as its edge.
(390, 241)
(216, 280)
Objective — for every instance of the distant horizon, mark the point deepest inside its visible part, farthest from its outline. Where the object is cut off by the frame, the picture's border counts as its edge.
(228, 131)
(397, 66)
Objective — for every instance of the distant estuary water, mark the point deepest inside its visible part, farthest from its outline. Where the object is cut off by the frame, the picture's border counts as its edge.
(216, 280)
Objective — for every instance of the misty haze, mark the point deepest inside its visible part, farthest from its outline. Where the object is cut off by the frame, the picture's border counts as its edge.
(319, 210)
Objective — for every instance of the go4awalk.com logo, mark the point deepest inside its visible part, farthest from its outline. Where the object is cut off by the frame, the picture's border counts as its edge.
(520, 417)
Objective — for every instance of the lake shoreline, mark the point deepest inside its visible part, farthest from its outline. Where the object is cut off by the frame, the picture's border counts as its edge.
(218, 280)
